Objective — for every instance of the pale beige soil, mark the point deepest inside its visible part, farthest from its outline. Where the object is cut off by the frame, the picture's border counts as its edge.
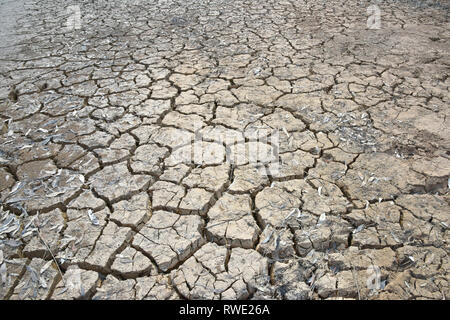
(94, 121)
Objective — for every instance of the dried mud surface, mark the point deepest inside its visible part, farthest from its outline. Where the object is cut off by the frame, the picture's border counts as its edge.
(92, 119)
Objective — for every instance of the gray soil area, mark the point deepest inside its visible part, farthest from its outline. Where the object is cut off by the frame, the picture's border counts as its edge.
(137, 159)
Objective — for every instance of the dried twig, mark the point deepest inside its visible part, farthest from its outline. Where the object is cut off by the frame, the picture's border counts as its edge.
(356, 282)
(48, 248)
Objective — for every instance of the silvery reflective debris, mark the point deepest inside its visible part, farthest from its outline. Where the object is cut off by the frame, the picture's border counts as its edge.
(267, 238)
(46, 266)
(290, 214)
(16, 187)
(358, 229)
(322, 218)
(93, 218)
(3, 273)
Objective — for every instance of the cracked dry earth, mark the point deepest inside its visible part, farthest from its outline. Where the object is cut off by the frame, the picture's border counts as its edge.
(92, 119)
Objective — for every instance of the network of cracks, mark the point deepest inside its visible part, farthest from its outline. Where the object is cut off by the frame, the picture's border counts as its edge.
(95, 203)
